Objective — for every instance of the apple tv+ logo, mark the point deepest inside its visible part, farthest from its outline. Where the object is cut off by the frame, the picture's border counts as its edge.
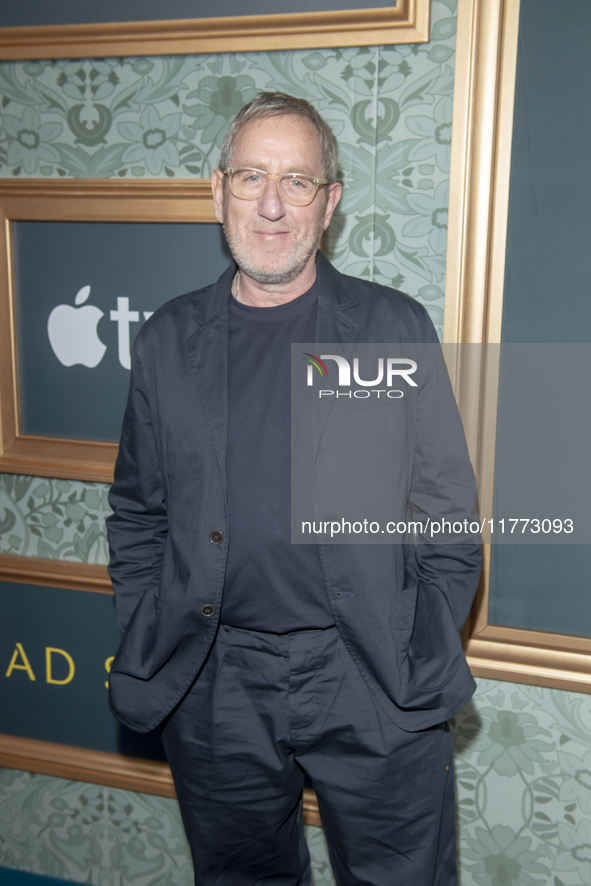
(82, 293)
(73, 335)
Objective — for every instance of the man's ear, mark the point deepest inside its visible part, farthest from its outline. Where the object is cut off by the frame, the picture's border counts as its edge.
(217, 188)
(334, 195)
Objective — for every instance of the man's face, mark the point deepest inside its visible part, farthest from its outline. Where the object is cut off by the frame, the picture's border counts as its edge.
(270, 240)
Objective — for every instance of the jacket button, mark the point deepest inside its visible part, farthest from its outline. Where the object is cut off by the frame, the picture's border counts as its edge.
(207, 610)
(216, 536)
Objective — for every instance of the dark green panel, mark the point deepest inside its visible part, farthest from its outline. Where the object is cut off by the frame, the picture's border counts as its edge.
(83, 625)
(541, 588)
(148, 264)
(63, 12)
(548, 269)
(548, 260)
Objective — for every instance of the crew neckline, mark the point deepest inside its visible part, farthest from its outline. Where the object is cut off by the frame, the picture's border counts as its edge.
(276, 312)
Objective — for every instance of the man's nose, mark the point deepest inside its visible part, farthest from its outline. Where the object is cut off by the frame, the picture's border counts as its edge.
(271, 205)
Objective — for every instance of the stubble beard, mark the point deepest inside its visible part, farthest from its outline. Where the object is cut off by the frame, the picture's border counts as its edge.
(292, 266)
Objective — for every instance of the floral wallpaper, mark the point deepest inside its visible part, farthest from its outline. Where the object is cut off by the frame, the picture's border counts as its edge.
(523, 774)
(166, 117)
(55, 519)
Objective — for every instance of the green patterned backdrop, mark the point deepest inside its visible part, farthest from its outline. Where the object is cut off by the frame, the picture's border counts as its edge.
(523, 754)
(390, 107)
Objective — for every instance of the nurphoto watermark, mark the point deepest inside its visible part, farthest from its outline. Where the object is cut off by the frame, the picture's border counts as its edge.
(379, 454)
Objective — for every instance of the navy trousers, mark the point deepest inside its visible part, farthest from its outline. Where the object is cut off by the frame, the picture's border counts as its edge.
(267, 708)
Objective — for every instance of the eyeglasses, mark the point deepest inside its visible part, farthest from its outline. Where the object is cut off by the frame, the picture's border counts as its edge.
(294, 188)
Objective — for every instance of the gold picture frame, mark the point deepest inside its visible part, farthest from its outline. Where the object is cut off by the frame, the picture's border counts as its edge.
(73, 200)
(486, 61)
(405, 22)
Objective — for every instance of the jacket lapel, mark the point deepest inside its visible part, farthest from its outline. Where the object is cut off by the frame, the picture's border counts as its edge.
(334, 301)
(208, 356)
(334, 325)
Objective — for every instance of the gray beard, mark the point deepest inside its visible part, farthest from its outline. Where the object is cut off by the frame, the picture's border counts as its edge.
(240, 253)
(272, 277)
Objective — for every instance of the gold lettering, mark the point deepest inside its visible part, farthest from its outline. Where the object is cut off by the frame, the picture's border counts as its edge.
(49, 651)
(25, 666)
(108, 664)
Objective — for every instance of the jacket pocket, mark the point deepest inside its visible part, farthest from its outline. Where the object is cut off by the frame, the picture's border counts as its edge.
(428, 642)
(135, 655)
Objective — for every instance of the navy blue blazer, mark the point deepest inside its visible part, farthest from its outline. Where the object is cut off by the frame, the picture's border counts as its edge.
(398, 608)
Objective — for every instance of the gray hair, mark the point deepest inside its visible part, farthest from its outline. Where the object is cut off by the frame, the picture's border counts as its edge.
(279, 104)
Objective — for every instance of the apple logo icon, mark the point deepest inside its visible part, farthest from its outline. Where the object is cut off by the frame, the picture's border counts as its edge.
(72, 332)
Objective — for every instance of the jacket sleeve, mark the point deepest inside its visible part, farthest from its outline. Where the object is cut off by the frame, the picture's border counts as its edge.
(443, 488)
(138, 527)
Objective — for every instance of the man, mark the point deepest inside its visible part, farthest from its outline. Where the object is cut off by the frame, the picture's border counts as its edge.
(261, 660)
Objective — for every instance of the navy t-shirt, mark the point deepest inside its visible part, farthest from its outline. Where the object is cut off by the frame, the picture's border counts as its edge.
(271, 585)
